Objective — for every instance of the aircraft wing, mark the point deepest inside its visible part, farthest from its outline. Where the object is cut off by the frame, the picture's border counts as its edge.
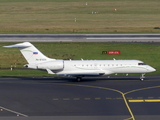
(78, 73)
(82, 74)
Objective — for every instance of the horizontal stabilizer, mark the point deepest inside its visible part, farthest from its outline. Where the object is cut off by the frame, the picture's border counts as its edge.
(20, 45)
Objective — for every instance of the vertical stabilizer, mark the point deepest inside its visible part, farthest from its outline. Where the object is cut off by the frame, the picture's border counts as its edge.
(30, 52)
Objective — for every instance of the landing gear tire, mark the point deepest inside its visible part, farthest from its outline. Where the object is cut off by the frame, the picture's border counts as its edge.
(78, 79)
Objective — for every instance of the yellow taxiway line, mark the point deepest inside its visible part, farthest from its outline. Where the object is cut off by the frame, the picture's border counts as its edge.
(136, 100)
(145, 100)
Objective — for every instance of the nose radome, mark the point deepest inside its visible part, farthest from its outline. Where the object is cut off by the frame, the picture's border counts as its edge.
(152, 69)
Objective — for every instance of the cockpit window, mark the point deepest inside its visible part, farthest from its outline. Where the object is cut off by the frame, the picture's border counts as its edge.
(141, 63)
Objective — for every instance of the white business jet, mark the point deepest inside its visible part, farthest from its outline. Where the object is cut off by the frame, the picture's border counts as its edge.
(80, 68)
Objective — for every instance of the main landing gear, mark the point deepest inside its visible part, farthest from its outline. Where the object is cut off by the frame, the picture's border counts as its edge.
(79, 79)
(142, 77)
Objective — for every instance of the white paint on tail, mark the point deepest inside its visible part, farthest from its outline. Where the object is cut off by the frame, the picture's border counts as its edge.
(31, 53)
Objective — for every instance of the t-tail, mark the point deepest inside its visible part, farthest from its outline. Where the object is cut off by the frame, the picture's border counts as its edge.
(31, 54)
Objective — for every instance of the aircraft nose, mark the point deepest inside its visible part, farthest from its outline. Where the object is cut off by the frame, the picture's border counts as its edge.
(151, 69)
(154, 69)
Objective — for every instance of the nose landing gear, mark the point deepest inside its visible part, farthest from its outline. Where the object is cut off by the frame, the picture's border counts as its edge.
(142, 77)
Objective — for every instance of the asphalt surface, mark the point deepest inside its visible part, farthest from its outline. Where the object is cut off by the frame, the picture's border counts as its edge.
(92, 98)
(149, 38)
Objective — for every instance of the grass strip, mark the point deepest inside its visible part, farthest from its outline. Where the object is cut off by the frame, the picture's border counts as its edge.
(74, 16)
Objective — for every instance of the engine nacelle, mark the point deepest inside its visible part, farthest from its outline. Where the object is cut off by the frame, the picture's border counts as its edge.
(32, 66)
(52, 65)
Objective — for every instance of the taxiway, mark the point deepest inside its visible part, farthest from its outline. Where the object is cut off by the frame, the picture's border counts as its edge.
(99, 97)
